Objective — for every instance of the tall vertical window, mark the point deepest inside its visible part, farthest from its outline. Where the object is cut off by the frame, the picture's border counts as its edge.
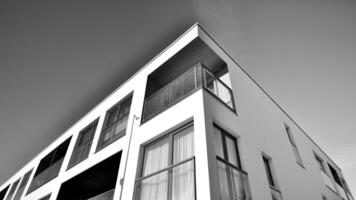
(335, 175)
(275, 192)
(83, 144)
(232, 179)
(168, 168)
(115, 123)
(12, 190)
(22, 185)
(294, 145)
(324, 174)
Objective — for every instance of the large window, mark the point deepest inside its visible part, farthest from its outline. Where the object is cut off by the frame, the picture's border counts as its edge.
(12, 190)
(49, 166)
(22, 185)
(275, 192)
(168, 168)
(232, 179)
(115, 123)
(294, 145)
(83, 144)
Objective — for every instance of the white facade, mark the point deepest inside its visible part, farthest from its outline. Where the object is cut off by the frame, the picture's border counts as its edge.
(258, 124)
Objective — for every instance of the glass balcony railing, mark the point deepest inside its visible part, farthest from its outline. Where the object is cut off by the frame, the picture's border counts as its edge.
(276, 194)
(108, 195)
(176, 182)
(233, 182)
(45, 176)
(183, 86)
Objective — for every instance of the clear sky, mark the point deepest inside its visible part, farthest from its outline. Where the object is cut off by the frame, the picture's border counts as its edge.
(60, 58)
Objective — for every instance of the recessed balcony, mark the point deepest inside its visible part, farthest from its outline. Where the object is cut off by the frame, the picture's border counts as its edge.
(195, 66)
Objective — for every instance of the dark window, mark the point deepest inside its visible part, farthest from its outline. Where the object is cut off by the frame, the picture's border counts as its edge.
(168, 168)
(82, 147)
(294, 145)
(115, 123)
(3, 193)
(12, 190)
(268, 171)
(335, 175)
(324, 197)
(49, 166)
(22, 185)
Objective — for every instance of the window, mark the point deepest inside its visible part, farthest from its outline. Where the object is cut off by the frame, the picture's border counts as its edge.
(22, 185)
(320, 163)
(168, 168)
(232, 179)
(335, 175)
(115, 123)
(49, 166)
(294, 145)
(83, 144)
(324, 197)
(275, 192)
(3, 193)
(12, 190)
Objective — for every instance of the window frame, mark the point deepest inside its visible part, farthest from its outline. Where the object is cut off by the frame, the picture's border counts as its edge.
(170, 135)
(93, 126)
(105, 126)
(224, 134)
(295, 149)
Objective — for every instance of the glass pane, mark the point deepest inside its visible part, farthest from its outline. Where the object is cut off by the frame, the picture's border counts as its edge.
(218, 143)
(12, 190)
(183, 182)
(268, 171)
(154, 187)
(22, 185)
(111, 117)
(183, 145)
(156, 157)
(223, 181)
(231, 151)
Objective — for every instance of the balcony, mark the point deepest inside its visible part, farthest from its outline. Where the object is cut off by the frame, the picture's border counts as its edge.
(176, 182)
(233, 182)
(276, 193)
(46, 175)
(184, 85)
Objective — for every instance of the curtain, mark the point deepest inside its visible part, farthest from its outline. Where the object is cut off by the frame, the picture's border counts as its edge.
(183, 175)
(156, 158)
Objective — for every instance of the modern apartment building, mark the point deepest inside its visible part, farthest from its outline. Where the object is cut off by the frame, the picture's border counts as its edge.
(191, 124)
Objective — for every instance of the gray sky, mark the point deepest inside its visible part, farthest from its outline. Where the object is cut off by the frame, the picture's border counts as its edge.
(60, 58)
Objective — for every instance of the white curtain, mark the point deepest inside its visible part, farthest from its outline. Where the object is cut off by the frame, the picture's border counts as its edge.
(183, 185)
(156, 158)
